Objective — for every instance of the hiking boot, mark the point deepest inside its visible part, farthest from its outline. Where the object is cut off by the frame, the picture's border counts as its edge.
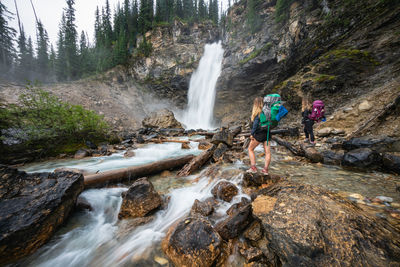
(264, 171)
(312, 143)
(253, 169)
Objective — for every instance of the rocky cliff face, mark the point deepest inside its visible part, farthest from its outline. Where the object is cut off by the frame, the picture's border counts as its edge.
(343, 52)
(176, 52)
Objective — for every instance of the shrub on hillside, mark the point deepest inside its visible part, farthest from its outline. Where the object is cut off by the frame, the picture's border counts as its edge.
(40, 116)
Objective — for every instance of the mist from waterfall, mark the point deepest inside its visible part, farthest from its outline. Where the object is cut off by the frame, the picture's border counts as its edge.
(202, 89)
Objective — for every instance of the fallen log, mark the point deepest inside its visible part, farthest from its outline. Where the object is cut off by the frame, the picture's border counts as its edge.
(159, 141)
(210, 134)
(136, 171)
(287, 131)
(197, 162)
(288, 145)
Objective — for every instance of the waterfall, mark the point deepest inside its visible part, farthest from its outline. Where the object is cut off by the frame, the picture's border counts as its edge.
(201, 95)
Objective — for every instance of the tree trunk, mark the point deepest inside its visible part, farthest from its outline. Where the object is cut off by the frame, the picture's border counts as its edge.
(136, 172)
(197, 162)
(288, 145)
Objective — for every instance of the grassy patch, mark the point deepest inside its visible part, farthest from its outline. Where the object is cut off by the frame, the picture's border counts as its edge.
(323, 77)
(350, 53)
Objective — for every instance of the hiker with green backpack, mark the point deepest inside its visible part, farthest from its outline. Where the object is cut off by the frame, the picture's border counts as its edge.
(265, 116)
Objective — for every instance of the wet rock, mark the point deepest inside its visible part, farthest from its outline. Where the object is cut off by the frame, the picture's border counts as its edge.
(62, 169)
(219, 152)
(192, 242)
(362, 158)
(140, 139)
(185, 146)
(325, 131)
(237, 206)
(250, 254)
(90, 144)
(204, 208)
(391, 162)
(32, 207)
(257, 179)
(81, 153)
(172, 131)
(129, 154)
(254, 231)
(83, 204)
(139, 200)
(223, 136)
(309, 226)
(224, 190)
(331, 157)
(234, 224)
(163, 118)
(376, 143)
(204, 145)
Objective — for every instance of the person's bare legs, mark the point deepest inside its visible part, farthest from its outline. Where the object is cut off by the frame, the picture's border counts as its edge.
(253, 144)
(267, 150)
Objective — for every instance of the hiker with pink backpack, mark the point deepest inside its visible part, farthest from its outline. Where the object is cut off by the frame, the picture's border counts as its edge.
(311, 114)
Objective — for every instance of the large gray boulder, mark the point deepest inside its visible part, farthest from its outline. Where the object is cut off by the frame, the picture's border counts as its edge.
(163, 118)
(32, 207)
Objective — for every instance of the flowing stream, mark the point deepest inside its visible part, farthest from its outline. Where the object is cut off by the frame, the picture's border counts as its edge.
(202, 88)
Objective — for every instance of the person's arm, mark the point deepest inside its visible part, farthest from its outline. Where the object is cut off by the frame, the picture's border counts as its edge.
(255, 125)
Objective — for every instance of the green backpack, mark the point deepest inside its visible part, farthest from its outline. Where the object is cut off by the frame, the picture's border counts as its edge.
(272, 103)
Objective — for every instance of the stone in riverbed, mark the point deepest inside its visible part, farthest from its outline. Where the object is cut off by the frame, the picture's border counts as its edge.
(81, 153)
(204, 208)
(32, 207)
(192, 242)
(204, 145)
(309, 226)
(224, 190)
(362, 158)
(139, 200)
(223, 136)
(235, 223)
(163, 118)
(391, 162)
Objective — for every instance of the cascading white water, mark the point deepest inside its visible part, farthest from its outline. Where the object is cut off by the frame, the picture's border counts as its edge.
(201, 95)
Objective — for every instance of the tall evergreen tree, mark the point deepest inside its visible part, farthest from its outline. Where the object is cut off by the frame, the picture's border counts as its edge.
(188, 9)
(70, 42)
(7, 35)
(202, 10)
(107, 28)
(42, 50)
(179, 9)
(60, 63)
(23, 67)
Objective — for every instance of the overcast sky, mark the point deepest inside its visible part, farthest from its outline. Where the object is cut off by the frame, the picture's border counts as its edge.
(50, 11)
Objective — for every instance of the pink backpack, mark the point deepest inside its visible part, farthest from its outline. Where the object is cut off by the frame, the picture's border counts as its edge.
(318, 110)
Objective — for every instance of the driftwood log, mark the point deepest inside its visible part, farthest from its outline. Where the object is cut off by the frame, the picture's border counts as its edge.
(288, 145)
(136, 171)
(197, 162)
(285, 132)
(159, 141)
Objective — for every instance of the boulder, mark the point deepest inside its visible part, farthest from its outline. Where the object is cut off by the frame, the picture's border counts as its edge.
(362, 158)
(257, 179)
(332, 158)
(83, 204)
(163, 118)
(223, 136)
(139, 200)
(32, 207)
(90, 144)
(324, 131)
(81, 153)
(219, 152)
(224, 190)
(309, 226)
(192, 242)
(249, 253)
(204, 145)
(204, 208)
(237, 206)
(234, 224)
(364, 106)
(391, 162)
(129, 154)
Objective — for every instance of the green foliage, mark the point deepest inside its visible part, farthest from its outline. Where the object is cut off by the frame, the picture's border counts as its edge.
(145, 48)
(253, 19)
(354, 54)
(282, 10)
(41, 116)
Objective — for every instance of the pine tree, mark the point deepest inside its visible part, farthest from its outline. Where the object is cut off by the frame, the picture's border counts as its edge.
(7, 35)
(107, 28)
(70, 42)
(188, 9)
(42, 50)
(52, 62)
(202, 10)
(60, 63)
(179, 9)
(22, 68)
